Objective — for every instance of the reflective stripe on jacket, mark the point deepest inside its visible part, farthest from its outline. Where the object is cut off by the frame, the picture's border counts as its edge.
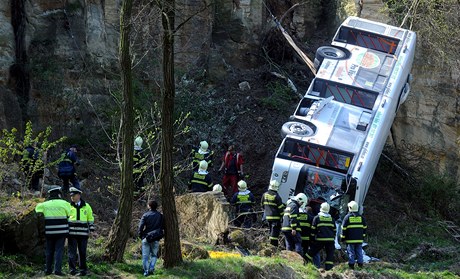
(198, 157)
(243, 201)
(200, 182)
(273, 205)
(81, 220)
(323, 228)
(305, 221)
(290, 216)
(353, 228)
(56, 212)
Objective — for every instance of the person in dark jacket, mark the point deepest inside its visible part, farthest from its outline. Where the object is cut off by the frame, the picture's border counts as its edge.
(353, 232)
(151, 220)
(81, 223)
(305, 219)
(201, 180)
(244, 201)
(201, 153)
(291, 224)
(323, 235)
(32, 170)
(56, 212)
(67, 170)
(273, 210)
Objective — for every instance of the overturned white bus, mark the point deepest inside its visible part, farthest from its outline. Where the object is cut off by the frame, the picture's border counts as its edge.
(334, 139)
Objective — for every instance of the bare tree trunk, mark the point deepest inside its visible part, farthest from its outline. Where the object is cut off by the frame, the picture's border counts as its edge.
(172, 254)
(119, 232)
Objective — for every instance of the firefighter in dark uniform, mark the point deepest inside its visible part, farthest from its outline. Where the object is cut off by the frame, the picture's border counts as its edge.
(201, 153)
(244, 201)
(305, 219)
(81, 223)
(273, 210)
(290, 223)
(323, 235)
(353, 232)
(56, 212)
(201, 181)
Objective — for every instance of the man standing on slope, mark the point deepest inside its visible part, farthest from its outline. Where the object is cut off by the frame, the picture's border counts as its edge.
(232, 165)
(273, 210)
(353, 233)
(151, 220)
(290, 225)
(56, 212)
(81, 223)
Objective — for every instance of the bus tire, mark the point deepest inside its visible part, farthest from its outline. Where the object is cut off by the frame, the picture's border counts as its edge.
(328, 52)
(295, 128)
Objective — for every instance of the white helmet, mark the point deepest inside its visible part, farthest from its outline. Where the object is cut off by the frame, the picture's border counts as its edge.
(204, 145)
(301, 198)
(203, 165)
(325, 207)
(138, 142)
(274, 185)
(353, 206)
(242, 186)
(217, 188)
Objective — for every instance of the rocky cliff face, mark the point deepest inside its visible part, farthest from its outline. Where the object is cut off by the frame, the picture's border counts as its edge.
(58, 61)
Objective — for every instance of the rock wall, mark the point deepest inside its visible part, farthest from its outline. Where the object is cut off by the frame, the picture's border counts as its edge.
(58, 61)
(427, 125)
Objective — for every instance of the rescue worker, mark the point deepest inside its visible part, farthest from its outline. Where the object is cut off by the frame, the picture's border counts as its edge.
(201, 153)
(305, 220)
(201, 181)
(232, 165)
(56, 212)
(322, 236)
(217, 188)
(291, 223)
(244, 201)
(273, 210)
(81, 223)
(67, 170)
(151, 220)
(32, 169)
(353, 232)
(138, 159)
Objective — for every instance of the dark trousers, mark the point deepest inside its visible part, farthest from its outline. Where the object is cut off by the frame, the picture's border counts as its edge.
(54, 252)
(66, 179)
(275, 229)
(79, 243)
(317, 246)
(293, 242)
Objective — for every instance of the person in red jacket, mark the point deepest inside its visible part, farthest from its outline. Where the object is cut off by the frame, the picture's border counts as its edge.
(232, 165)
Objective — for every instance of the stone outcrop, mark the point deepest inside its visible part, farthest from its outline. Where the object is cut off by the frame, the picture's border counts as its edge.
(22, 230)
(58, 61)
(203, 216)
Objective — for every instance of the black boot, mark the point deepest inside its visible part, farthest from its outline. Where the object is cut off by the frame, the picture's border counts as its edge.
(352, 266)
(360, 265)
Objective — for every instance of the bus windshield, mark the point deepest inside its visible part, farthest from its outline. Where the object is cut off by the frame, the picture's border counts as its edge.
(323, 184)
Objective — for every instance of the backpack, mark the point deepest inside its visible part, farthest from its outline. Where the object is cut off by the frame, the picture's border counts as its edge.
(154, 235)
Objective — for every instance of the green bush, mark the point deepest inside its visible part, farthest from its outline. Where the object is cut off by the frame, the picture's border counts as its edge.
(280, 97)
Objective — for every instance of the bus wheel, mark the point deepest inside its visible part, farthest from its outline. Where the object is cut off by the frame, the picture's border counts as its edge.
(328, 52)
(295, 128)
